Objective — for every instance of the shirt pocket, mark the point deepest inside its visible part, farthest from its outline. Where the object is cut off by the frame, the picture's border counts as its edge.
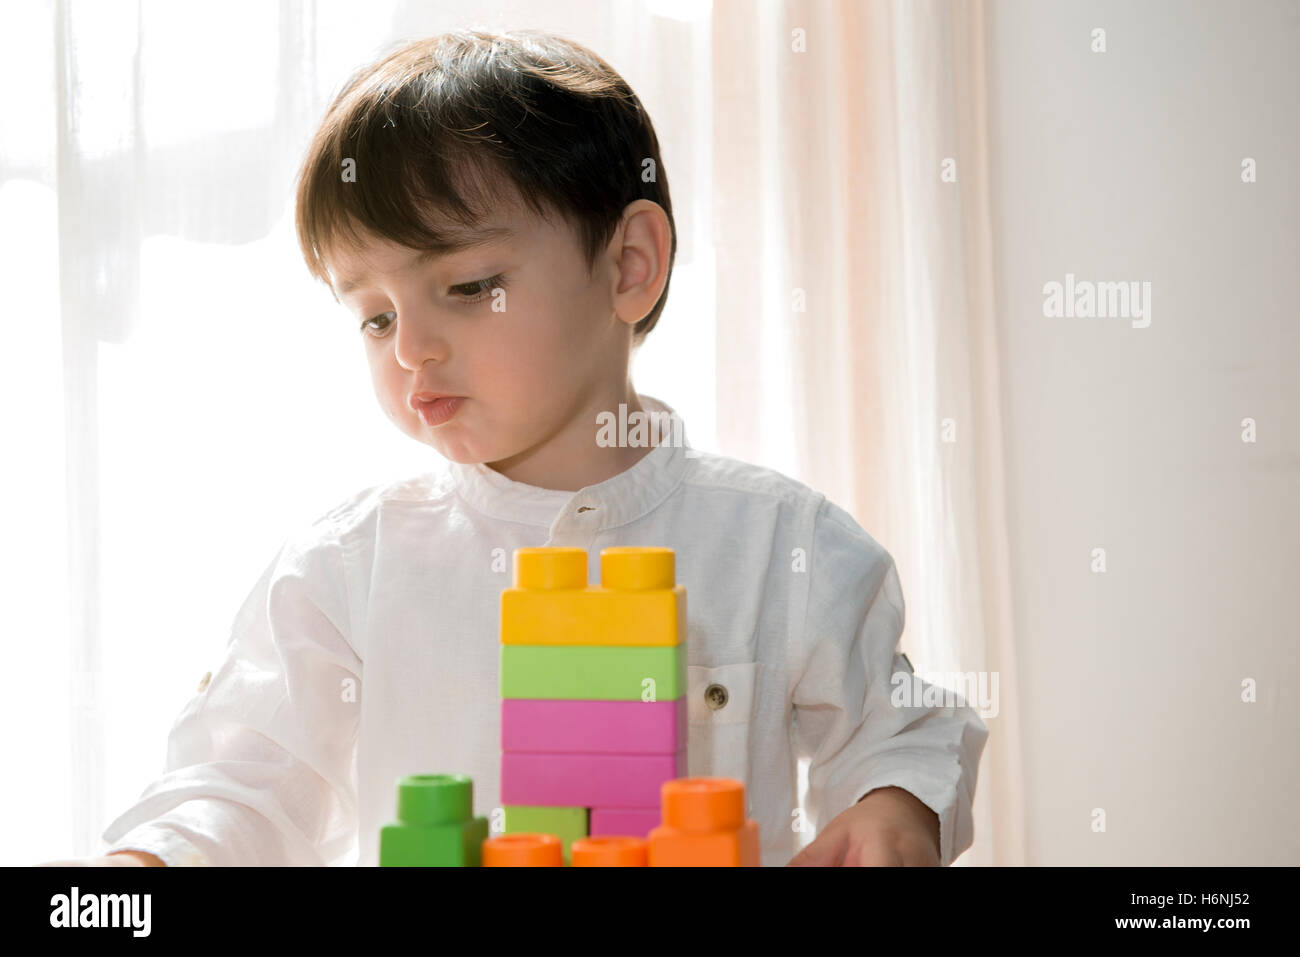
(720, 709)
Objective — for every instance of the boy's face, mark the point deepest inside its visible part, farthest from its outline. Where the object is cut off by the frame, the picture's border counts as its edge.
(532, 361)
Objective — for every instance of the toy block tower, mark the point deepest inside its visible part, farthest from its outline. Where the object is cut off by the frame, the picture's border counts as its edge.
(435, 825)
(593, 685)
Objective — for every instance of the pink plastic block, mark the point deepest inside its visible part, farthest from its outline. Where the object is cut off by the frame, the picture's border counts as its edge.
(587, 780)
(602, 727)
(633, 821)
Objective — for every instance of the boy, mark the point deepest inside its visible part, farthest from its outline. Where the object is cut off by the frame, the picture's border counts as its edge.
(494, 213)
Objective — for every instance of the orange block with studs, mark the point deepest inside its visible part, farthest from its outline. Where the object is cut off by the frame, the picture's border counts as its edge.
(609, 851)
(523, 850)
(704, 825)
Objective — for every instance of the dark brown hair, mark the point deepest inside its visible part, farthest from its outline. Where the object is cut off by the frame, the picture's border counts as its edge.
(436, 126)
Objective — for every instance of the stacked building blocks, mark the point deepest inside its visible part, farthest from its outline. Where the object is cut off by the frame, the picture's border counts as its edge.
(435, 825)
(593, 684)
(704, 825)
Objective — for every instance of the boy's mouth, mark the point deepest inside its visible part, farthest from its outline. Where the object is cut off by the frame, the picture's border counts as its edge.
(437, 409)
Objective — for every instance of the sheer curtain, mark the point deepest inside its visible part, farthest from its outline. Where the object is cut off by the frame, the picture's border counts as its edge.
(177, 395)
(854, 289)
(181, 396)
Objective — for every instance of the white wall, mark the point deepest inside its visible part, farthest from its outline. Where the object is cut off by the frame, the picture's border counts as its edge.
(1126, 165)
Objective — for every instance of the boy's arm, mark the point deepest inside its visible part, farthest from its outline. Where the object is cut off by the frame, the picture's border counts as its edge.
(856, 738)
(260, 766)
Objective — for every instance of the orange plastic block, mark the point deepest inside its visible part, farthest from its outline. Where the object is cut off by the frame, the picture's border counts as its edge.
(523, 850)
(704, 826)
(637, 602)
(609, 851)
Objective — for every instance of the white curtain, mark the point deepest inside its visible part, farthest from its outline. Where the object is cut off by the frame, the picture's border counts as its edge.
(176, 395)
(854, 289)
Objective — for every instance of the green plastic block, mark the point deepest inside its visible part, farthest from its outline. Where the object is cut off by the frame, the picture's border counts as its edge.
(593, 672)
(435, 824)
(566, 823)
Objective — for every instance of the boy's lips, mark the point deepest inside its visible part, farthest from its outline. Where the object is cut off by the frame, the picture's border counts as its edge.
(416, 398)
(433, 407)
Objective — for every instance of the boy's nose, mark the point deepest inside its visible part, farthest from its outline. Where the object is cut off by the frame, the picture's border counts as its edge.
(418, 341)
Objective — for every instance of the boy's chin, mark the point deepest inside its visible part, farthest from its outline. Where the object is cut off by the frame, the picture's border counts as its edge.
(453, 451)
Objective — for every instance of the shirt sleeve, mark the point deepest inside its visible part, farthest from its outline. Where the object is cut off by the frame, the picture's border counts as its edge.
(261, 764)
(857, 734)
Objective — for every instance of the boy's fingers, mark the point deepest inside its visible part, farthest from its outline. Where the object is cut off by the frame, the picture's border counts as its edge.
(826, 851)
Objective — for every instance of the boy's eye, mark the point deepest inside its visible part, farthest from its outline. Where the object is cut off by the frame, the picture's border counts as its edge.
(470, 292)
(389, 316)
(479, 289)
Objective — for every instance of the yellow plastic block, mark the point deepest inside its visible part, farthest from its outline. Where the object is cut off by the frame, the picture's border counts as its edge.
(636, 603)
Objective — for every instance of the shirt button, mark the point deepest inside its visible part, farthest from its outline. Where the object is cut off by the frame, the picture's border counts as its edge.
(715, 696)
(203, 682)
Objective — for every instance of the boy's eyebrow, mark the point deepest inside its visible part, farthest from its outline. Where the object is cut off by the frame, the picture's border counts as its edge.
(455, 242)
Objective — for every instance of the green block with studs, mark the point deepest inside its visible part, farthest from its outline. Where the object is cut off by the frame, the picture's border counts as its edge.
(566, 823)
(435, 825)
(593, 672)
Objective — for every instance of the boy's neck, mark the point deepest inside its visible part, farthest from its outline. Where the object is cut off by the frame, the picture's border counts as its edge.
(572, 459)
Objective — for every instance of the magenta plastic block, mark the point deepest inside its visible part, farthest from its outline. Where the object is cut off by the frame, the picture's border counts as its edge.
(587, 780)
(602, 727)
(632, 821)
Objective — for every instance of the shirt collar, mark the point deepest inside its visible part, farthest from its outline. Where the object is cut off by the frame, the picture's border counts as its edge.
(622, 498)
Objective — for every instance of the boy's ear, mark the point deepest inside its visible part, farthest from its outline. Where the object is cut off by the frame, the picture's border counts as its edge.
(643, 242)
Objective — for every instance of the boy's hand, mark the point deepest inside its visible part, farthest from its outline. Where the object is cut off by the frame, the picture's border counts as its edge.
(114, 859)
(888, 827)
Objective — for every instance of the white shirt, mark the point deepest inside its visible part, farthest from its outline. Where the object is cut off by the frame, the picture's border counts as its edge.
(791, 606)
